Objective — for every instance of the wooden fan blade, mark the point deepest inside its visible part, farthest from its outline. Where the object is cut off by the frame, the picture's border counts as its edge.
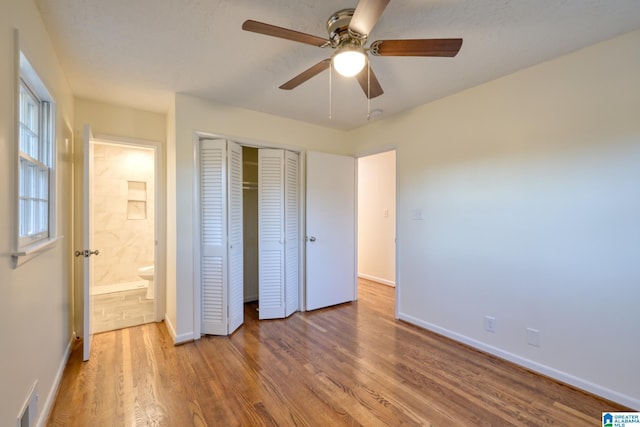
(307, 74)
(366, 15)
(366, 77)
(283, 33)
(416, 47)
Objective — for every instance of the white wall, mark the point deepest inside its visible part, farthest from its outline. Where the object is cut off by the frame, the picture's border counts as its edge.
(35, 298)
(529, 189)
(194, 114)
(377, 217)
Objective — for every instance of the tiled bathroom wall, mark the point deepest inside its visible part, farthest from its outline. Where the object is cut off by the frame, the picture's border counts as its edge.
(123, 214)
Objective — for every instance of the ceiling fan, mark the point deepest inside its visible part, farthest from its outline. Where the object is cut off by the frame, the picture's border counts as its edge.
(348, 33)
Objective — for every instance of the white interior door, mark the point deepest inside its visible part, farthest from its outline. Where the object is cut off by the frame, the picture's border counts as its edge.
(330, 230)
(292, 232)
(271, 234)
(236, 246)
(87, 251)
(278, 233)
(221, 245)
(213, 236)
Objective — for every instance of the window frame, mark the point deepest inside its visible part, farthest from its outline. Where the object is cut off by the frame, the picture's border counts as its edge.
(39, 159)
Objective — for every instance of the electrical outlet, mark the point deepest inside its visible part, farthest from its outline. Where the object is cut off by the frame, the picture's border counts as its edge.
(416, 214)
(490, 324)
(533, 337)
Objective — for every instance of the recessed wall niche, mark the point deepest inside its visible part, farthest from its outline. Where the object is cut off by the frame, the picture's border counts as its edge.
(136, 200)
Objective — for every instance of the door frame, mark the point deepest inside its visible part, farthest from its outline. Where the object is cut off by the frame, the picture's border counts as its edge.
(159, 212)
(381, 150)
(243, 142)
(159, 231)
(87, 237)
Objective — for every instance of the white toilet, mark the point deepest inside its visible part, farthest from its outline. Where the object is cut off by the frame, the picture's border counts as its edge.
(147, 273)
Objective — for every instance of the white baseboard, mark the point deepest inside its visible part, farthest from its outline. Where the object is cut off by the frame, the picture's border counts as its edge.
(377, 279)
(170, 328)
(580, 383)
(177, 339)
(53, 392)
(184, 338)
(118, 287)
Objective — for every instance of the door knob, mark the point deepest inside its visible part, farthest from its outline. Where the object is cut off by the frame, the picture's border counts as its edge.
(312, 239)
(87, 253)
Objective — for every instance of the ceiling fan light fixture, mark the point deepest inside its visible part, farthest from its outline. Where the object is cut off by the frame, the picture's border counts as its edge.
(349, 60)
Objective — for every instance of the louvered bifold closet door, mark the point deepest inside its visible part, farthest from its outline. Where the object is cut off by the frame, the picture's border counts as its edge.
(271, 233)
(213, 270)
(292, 233)
(236, 249)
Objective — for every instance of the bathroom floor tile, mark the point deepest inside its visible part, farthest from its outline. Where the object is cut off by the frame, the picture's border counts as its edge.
(119, 310)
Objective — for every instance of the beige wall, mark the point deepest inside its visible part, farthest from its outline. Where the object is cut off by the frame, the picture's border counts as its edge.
(115, 120)
(377, 217)
(529, 191)
(35, 303)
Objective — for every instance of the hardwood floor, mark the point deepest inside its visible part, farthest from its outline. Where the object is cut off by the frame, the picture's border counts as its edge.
(352, 364)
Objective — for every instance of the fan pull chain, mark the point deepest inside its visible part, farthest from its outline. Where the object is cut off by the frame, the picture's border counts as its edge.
(330, 73)
(368, 90)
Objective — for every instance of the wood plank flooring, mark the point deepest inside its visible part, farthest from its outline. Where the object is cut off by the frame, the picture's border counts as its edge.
(351, 365)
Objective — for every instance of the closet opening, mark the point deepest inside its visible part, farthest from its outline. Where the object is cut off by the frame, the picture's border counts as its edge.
(249, 229)
(250, 222)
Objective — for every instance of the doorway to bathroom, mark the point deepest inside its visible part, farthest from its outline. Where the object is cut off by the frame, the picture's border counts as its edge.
(123, 229)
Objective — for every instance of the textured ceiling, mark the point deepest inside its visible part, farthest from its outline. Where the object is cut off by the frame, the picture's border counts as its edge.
(136, 53)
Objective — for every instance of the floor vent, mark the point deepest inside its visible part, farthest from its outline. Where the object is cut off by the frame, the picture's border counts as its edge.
(29, 411)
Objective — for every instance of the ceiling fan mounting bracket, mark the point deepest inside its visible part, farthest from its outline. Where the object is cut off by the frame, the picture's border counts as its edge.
(339, 33)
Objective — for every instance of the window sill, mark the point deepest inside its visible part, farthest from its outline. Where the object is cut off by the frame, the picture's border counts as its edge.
(27, 254)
